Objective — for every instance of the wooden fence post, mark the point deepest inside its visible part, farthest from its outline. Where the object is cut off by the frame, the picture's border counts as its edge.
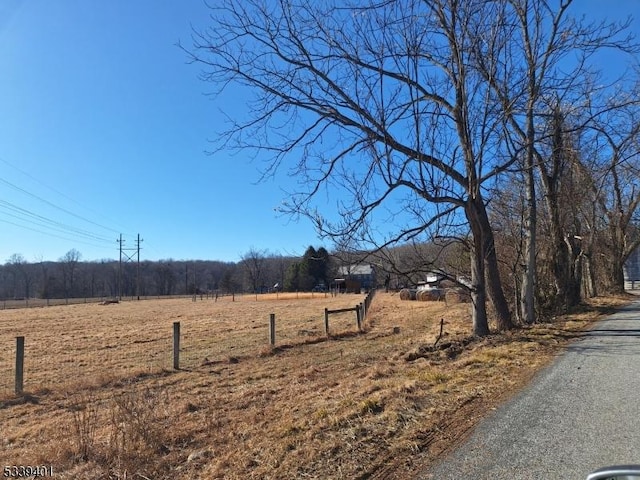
(19, 365)
(358, 316)
(272, 329)
(326, 321)
(176, 345)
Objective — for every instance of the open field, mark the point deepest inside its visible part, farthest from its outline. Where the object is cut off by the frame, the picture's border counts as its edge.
(380, 404)
(51, 302)
(75, 343)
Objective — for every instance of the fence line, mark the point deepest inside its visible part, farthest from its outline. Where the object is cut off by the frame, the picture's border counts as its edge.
(361, 312)
(10, 304)
(367, 303)
(64, 351)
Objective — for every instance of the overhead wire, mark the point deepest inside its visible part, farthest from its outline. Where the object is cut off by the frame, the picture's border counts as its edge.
(6, 182)
(26, 215)
(26, 174)
(47, 226)
(52, 234)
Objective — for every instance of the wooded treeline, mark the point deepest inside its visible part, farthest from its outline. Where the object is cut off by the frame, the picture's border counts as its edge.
(257, 271)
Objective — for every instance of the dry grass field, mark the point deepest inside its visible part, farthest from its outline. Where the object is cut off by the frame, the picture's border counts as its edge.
(93, 342)
(102, 401)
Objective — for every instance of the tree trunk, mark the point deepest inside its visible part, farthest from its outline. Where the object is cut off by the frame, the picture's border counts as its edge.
(484, 271)
(562, 243)
(527, 294)
(590, 288)
(527, 302)
(491, 270)
(617, 276)
(478, 291)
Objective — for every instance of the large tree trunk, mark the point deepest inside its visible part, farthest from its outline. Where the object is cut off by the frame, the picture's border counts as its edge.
(484, 271)
(617, 256)
(527, 298)
(617, 276)
(589, 288)
(492, 271)
(478, 298)
(566, 280)
(478, 290)
(527, 306)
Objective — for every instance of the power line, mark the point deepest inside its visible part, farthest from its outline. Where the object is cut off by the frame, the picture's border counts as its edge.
(29, 219)
(80, 217)
(26, 174)
(52, 234)
(27, 215)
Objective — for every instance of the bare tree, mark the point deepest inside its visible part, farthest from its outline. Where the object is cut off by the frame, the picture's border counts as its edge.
(540, 59)
(20, 271)
(408, 110)
(253, 263)
(613, 184)
(380, 104)
(44, 269)
(69, 262)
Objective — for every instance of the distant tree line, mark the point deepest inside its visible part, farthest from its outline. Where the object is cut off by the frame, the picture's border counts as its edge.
(257, 271)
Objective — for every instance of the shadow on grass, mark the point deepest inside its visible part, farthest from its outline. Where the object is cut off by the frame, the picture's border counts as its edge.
(276, 349)
(19, 400)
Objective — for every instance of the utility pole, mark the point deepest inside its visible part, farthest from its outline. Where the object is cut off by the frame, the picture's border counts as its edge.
(120, 242)
(138, 267)
(128, 257)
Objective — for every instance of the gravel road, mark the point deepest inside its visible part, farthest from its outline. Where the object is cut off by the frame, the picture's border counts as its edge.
(577, 415)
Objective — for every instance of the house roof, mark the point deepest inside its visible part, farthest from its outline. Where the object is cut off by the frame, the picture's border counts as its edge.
(360, 269)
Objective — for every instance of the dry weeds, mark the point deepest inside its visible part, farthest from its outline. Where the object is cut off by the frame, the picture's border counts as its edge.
(381, 404)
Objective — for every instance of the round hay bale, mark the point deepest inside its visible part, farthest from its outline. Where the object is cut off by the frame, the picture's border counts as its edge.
(436, 294)
(407, 294)
(446, 283)
(422, 295)
(457, 295)
(431, 295)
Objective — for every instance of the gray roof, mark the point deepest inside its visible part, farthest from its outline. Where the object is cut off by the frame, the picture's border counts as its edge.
(360, 269)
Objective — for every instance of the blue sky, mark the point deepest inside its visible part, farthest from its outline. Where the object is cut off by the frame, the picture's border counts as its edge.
(102, 117)
(104, 129)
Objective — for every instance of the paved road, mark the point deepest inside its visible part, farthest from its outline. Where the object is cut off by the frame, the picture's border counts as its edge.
(579, 414)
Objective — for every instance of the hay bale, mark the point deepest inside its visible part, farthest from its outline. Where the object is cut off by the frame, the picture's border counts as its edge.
(430, 295)
(457, 295)
(446, 284)
(408, 294)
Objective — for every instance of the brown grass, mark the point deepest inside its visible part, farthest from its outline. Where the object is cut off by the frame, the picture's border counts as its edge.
(375, 405)
(74, 344)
